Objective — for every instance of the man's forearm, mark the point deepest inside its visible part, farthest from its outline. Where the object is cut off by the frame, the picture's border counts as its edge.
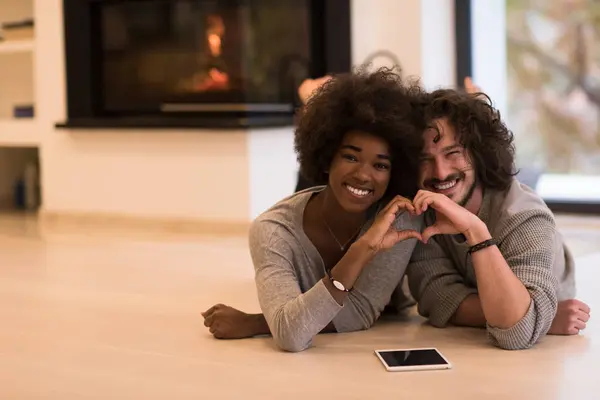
(504, 299)
(469, 313)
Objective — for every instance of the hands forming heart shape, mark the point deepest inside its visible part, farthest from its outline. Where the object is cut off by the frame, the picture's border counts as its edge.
(451, 218)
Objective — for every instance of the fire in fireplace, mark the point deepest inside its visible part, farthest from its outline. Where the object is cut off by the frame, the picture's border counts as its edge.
(213, 77)
(199, 60)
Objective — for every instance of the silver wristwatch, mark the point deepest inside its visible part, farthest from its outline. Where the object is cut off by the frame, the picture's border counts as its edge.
(337, 284)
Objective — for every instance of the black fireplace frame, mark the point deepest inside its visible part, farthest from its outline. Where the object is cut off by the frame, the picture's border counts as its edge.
(330, 54)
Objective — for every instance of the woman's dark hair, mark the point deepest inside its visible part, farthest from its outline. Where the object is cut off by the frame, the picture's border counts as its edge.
(479, 129)
(380, 103)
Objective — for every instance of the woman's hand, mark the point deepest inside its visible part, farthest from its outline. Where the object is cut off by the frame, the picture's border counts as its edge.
(226, 322)
(382, 235)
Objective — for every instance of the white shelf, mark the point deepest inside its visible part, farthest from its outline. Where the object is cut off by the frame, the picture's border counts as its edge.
(16, 46)
(19, 133)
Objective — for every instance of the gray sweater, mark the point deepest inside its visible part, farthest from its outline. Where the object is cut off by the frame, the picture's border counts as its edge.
(441, 274)
(295, 302)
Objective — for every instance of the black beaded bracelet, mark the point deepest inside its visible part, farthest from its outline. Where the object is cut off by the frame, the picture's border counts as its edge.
(482, 245)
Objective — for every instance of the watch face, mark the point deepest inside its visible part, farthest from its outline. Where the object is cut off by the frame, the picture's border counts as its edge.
(338, 285)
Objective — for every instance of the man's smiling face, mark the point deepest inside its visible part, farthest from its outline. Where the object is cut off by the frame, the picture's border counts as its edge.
(445, 166)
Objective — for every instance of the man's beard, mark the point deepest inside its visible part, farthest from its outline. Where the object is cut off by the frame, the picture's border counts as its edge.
(463, 202)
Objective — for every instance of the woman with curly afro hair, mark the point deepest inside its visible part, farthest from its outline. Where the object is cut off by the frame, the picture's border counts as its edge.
(329, 258)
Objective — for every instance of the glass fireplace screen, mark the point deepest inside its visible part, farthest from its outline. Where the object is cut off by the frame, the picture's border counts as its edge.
(203, 55)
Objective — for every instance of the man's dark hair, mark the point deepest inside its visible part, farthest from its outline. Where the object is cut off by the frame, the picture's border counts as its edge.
(379, 103)
(479, 128)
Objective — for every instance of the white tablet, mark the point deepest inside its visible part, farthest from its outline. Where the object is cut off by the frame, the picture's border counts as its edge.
(412, 359)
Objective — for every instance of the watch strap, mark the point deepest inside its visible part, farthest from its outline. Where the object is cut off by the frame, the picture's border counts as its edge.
(337, 284)
(482, 245)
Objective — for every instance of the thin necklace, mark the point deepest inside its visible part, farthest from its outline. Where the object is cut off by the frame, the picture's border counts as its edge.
(342, 247)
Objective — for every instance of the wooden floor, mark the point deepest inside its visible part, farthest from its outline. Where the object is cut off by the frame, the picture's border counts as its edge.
(90, 314)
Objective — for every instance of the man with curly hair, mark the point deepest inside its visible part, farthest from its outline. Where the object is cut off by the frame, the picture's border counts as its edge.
(328, 258)
(496, 260)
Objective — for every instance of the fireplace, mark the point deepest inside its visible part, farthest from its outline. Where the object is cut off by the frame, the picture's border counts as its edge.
(198, 63)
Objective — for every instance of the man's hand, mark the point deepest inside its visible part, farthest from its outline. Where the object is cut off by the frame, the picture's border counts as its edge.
(450, 218)
(226, 322)
(571, 317)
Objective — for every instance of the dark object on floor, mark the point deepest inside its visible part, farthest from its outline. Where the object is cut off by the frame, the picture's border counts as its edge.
(23, 111)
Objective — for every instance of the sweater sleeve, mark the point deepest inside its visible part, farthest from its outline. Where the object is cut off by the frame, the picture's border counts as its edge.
(528, 248)
(377, 282)
(436, 284)
(294, 318)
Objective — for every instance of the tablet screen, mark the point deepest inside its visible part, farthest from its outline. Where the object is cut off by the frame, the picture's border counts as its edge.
(405, 358)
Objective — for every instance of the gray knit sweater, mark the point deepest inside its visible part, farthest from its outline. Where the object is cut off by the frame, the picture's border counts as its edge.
(289, 271)
(441, 274)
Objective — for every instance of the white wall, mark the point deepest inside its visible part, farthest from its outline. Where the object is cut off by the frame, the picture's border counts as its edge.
(388, 25)
(438, 47)
(488, 21)
(419, 33)
(199, 174)
(203, 174)
(273, 167)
